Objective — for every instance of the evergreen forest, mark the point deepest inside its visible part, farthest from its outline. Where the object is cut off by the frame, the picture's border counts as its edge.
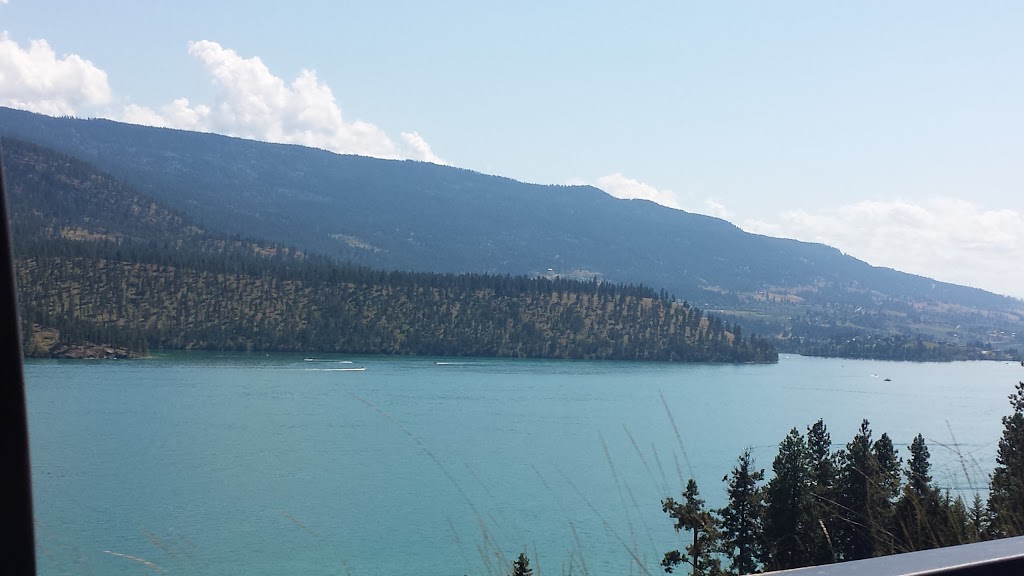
(138, 299)
(823, 505)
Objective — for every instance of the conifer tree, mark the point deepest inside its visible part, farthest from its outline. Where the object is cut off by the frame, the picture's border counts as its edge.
(887, 488)
(869, 484)
(521, 566)
(821, 509)
(919, 515)
(787, 497)
(691, 515)
(742, 519)
(957, 527)
(1006, 494)
(919, 468)
(855, 494)
(979, 518)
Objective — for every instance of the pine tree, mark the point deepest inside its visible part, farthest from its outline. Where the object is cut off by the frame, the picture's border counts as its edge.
(869, 484)
(919, 468)
(1006, 494)
(521, 566)
(854, 539)
(980, 519)
(787, 498)
(919, 514)
(887, 489)
(821, 519)
(742, 519)
(691, 515)
(957, 526)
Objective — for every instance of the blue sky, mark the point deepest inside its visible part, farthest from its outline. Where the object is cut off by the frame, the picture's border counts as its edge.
(891, 130)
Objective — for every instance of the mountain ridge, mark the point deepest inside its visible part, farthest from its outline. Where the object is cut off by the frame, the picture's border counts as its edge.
(104, 271)
(411, 215)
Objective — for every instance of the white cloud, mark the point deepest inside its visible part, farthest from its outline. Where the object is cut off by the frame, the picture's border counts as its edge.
(177, 114)
(715, 208)
(251, 102)
(949, 239)
(417, 147)
(620, 186)
(36, 79)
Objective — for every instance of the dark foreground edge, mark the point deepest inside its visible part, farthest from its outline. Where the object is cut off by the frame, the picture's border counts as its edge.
(17, 543)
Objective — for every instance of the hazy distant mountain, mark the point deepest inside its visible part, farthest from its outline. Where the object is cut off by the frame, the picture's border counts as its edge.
(418, 216)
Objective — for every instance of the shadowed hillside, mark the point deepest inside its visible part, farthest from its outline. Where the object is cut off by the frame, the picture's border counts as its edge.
(98, 262)
(419, 216)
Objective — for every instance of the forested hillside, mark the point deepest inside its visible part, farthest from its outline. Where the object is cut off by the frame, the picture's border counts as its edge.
(98, 262)
(424, 217)
(172, 301)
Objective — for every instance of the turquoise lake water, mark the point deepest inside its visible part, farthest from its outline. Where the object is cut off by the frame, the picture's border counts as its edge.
(203, 463)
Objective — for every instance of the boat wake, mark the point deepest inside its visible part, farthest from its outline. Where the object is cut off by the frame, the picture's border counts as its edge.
(335, 369)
